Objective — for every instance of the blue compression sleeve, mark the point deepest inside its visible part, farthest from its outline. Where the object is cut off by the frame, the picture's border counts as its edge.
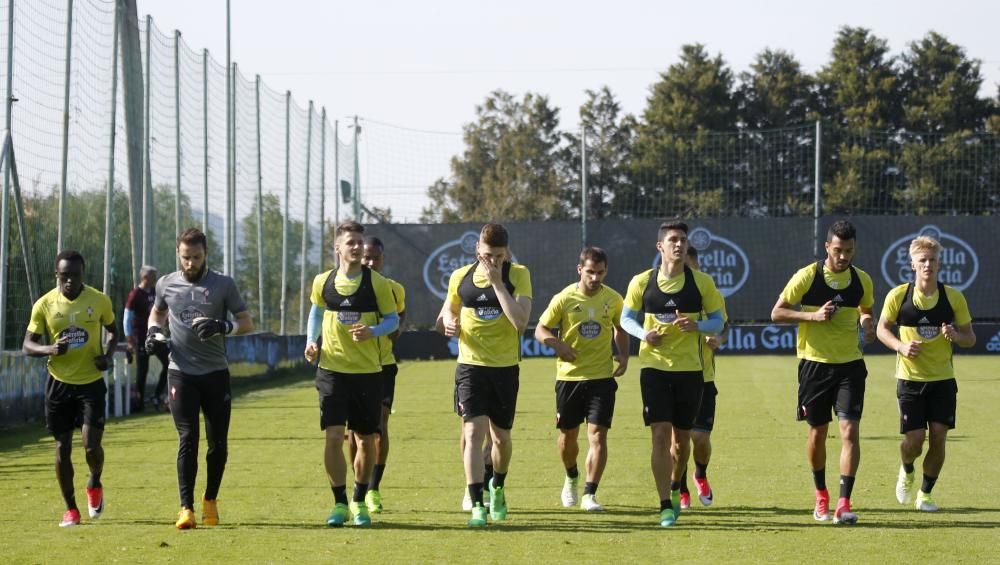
(388, 325)
(713, 325)
(127, 321)
(630, 323)
(314, 324)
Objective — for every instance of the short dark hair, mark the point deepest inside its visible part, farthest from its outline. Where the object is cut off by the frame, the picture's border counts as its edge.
(192, 236)
(671, 225)
(350, 226)
(595, 254)
(843, 230)
(494, 235)
(692, 252)
(70, 255)
(372, 241)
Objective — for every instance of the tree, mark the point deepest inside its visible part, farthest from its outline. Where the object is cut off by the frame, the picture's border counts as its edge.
(940, 87)
(859, 88)
(248, 267)
(859, 92)
(775, 92)
(676, 170)
(509, 167)
(609, 141)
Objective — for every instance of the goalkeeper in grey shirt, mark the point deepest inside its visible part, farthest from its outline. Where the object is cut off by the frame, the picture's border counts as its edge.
(197, 301)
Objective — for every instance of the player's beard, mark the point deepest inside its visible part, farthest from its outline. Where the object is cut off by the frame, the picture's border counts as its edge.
(197, 275)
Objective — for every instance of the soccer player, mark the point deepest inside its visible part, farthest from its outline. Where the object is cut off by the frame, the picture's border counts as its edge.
(70, 317)
(487, 307)
(931, 316)
(586, 315)
(374, 259)
(834, 295)
(136, 319)
(352, 306)
(197, 300)
(701, 432)
(673, 298)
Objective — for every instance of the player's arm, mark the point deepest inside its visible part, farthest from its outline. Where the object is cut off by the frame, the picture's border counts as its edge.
(517, 310)
(785, 312)
(108, 351)
(402, 318)
(449, 319)
(867, 321)
(961, 334)
(34, 347)
(127, 319)
(622, 345)
(547, 337)
(716, 341)
(888, 338)
(314, 326)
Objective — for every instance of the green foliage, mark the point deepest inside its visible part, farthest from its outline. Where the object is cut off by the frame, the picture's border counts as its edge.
(859, 87)
(510, 168)
(940, 85)
(248, 267)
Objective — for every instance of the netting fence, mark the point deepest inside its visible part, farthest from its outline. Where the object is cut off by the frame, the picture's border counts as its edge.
(266, 172)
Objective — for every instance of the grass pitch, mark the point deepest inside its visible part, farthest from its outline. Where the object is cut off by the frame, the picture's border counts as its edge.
(275, 497)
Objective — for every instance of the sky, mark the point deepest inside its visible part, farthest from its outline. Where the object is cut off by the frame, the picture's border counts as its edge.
(426, 65)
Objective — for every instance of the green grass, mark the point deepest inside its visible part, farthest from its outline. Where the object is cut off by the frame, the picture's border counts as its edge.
(275, 497)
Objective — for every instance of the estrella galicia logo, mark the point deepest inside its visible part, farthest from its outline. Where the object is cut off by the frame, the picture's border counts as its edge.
(590, 329)
(348, 318)
(959, 262)
(488, 313)
(189, 314)
(77, 337)
(719, 257)
(445, 259)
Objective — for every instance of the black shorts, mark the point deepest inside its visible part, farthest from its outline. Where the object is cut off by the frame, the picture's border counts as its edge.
(352, 400)
(389, 373)
(670, 396)
(593, 401)
(921, 403)
(823, 387)
(705, 420)
(70, 406)
(487, 391)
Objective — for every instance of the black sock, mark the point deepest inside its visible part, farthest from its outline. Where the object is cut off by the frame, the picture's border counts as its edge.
(360, 490)
(476, 493)
(376, 479)
(488, 474)
(819, 479)
(700, 470)
(928, 485)
(498, 479)
(684, 484)
(573, 472)
(908, 468)
(675, 485)
(340, 494)
(590, 488)
(665, 504)
(94, 481)
(846, 486)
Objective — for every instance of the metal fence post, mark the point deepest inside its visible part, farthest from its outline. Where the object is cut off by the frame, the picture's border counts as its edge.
(583, 185)
(147, 181)
(284, 213)
(260, 215)
(322, 192)
(229, 151)
(177, 132)
(818, 188)
(111, 159)
(61, 236)
(232, 175)
(204, 125)
(336, 173)
(305, 224)
(4, 211)
(357, 174)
